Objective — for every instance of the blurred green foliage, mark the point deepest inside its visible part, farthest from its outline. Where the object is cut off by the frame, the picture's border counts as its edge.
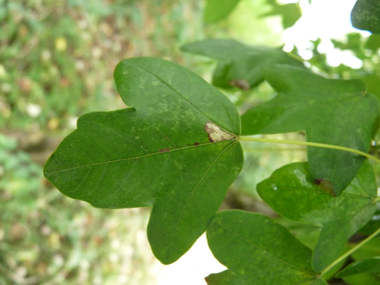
(57, 57)
(48, 239)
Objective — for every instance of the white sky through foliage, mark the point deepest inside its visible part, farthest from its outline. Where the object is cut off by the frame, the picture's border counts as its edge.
(324, 19)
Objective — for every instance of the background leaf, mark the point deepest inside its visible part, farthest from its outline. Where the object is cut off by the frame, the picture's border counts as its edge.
(257, 250)
(160, 153)
(337, 112)
(290, 191)
(366, 15)
(371, 265)
(290, 13)
(239, 65)
(217, 10)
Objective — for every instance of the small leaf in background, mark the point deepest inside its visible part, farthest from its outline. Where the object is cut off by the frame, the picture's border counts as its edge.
(370, 265)
(256, 250)
(290, 13)
(217, 10)
(239, 65)
(372, 83)
(372, 225)
(373, 42)
(370, 249)
(336, 112)
(366, 15)
(293, 194)
(362, 279)
(177, 151)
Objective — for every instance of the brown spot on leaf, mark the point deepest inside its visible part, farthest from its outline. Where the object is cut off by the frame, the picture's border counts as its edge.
(325, 185)
(240, 83)
(216, 134)
(197, 143)
(164, 150)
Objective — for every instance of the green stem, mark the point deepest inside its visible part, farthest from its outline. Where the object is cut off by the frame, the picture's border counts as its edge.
(296, 57)
(322, 145)
(349, 252)
(377, 199)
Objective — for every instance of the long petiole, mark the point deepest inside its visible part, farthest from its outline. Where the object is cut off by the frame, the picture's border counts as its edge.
(322, 145)
(349, 252)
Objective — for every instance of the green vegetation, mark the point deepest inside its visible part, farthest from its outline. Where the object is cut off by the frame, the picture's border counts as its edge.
(178, 146)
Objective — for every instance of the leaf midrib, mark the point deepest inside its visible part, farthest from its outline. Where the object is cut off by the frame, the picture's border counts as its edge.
(138, 157)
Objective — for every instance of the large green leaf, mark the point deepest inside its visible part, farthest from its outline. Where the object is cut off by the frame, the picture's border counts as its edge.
(369, 265)
(217, 10)
(337, 112)
(256, 250)
(292, 193)
(240, 65)
(366, 15)
(176, 150)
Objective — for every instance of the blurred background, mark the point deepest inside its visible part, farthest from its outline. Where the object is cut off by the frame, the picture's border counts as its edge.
(56, 63)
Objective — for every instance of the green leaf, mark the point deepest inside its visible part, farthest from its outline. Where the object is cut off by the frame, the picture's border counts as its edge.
(292, 193)
(362, 279)
(370, 265)
(176, 150)
(373, 42)
(217, 10)
(370, 249)
(366, 15)
(240, 65)
(372, 83)
(256, 250)
(336, 112)
(290, 13)
(372, 225)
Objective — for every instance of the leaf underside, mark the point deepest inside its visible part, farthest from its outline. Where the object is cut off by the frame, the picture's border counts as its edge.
(336, 112)
(291, 192)
(239, 65)
(257, 250)
(176, 149)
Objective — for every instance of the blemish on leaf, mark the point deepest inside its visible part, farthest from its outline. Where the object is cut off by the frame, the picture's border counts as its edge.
(164, 150)
(197, 143)
(325, 185)
(240, 83)
(216, 134)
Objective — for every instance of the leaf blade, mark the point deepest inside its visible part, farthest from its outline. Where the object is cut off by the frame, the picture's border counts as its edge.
(240, 65)
(290, 191)
(366, 15)
(369, 265)
(336, 112)
(217, 10)
(256, 251)
(136, 156)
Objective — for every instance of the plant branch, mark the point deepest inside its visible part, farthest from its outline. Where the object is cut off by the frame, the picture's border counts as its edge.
(349, 252)
(377, 199)
(321, 145)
